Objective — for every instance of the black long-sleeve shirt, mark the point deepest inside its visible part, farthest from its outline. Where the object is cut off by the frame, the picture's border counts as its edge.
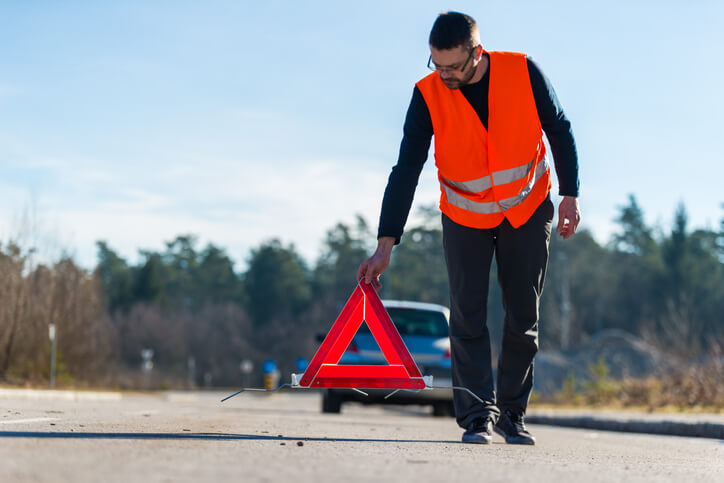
(418, 132)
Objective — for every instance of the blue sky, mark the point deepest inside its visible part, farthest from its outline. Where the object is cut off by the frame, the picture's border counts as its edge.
(136, 121)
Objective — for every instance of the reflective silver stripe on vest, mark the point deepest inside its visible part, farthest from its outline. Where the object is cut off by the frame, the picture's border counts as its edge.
(490, 207)
(475, 186)
(484, 208)
(506, 176)
(508, 203)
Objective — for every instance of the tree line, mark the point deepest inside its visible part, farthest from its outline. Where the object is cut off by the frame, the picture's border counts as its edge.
(201, 317)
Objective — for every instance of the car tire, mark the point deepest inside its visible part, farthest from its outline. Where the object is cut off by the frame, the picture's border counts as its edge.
(443, 409)
(331, 402)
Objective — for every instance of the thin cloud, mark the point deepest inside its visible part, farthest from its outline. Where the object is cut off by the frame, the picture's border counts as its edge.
(11, 90)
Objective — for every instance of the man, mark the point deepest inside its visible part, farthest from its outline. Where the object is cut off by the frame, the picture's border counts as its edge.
(487, 111)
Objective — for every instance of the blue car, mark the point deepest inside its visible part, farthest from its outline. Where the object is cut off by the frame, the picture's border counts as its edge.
(424, 330)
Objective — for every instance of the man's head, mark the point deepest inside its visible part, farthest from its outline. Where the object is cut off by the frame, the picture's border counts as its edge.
(455, 48)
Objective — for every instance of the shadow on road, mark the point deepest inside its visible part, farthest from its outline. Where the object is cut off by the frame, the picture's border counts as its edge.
(201, 436)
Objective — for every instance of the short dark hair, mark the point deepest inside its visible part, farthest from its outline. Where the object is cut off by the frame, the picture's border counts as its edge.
(453, 29)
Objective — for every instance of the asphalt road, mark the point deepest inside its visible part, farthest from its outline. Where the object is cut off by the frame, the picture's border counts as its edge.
(283, 437)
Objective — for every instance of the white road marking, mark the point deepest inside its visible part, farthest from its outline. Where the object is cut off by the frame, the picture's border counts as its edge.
(28, 420)
(59, 395)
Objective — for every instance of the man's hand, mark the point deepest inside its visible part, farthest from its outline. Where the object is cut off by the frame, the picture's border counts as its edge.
(372, 268)
(569, 216)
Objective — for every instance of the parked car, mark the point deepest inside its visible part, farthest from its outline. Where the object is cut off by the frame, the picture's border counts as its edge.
(424, 330)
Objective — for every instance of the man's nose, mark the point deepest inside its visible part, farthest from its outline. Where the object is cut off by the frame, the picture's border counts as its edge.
(445, 74)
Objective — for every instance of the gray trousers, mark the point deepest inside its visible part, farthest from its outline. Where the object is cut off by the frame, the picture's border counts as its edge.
(521, 255)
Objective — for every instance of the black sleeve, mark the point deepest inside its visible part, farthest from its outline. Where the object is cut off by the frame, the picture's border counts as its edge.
(402, 182)
(557, 129)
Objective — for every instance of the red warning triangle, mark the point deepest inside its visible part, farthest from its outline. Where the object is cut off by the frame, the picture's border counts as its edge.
(401, 371)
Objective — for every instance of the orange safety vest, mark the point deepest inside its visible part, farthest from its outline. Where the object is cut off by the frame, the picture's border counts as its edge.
(488, 175)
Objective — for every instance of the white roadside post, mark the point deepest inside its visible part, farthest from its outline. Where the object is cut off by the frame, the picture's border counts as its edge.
(51, 335)
(191, 366)
(246, 367)
(147, 366)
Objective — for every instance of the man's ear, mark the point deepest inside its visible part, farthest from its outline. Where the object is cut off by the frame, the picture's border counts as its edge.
(479, 52)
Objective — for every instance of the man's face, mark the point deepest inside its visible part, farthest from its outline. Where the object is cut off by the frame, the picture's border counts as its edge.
(455, 66)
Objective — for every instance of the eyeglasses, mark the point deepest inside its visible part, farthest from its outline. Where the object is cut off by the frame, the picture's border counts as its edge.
(434, 67)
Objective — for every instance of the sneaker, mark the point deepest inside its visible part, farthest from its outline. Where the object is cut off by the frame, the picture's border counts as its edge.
(480, 431)
(510, 426)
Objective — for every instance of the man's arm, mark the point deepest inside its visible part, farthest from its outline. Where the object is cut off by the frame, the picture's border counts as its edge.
(563, 146)
(401, 185)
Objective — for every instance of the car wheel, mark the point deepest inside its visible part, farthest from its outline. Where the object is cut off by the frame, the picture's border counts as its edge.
(331, 402)
(443, 409)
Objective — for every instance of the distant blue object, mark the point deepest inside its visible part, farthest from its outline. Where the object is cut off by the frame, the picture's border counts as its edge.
(302, 364)
(268, 366)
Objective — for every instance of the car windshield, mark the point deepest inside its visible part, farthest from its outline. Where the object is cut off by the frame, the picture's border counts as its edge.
(426, 323)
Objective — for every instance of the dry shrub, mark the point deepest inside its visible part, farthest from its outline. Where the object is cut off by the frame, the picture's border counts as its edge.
(696, 387)
(690, 388)
(34, 296)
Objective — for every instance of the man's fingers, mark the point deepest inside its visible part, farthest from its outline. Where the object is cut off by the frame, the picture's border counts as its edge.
(564, 223)
(372, 268)
(573, 222)
(569, 217)
(570, 227)
(376, 282)
(362, 272)
(561, 224)
(371, 274)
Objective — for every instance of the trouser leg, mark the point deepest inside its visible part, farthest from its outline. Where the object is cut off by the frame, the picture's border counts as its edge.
(521, 257)
(468, 255)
